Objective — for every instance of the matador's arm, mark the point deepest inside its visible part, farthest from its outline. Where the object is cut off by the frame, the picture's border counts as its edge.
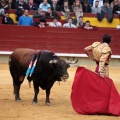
(102, 61)
(88, 51)
(106, 54)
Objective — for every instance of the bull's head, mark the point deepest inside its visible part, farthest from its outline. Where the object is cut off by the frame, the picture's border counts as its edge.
(61, 67)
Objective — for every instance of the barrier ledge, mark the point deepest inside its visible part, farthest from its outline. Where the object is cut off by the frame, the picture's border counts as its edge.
(62, 54)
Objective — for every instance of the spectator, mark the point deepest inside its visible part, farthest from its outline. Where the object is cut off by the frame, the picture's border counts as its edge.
(96, 9)
(91, 2)
(51, 14)
(44, 5)
(7, 19)
(118, 27)
(3, 6)
(55, 23)
(113, 3)
(25, 20)
(55, 6)
(11, 4)
(38, 2)
(116, 8)
(39, 14)
(42, 23)
(81, 24)
(107, 9)
(66, 10)
(88, 26)
(100, 3)
(77, 8)
(70, 2)
(60, 2)
(86, 7)
(49, 1)
(32, 5)
(69, 24)
(20, 6)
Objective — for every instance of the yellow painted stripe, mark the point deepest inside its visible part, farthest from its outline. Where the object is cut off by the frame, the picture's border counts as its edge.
(103, 23)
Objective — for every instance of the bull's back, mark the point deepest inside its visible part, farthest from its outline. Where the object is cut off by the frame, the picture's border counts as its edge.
(22, 56)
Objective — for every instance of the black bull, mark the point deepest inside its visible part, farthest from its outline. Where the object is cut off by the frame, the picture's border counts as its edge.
(49, 68)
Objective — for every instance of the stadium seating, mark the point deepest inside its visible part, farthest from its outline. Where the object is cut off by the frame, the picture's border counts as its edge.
(87, 16)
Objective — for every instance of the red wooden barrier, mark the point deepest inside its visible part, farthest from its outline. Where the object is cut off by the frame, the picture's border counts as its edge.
(59, 40)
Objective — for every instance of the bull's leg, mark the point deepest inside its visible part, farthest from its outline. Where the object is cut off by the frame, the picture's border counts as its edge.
(16, 85)
(36, 91)
(16, 91)
(17, 81)
(18, 78)
(47, 97)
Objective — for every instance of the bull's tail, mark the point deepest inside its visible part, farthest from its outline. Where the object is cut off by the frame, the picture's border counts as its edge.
(29, 82)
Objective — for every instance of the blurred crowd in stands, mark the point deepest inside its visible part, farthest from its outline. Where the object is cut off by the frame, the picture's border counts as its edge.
(47, 9)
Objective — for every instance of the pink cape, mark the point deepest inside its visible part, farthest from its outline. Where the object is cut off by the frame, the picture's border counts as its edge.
(92, 94)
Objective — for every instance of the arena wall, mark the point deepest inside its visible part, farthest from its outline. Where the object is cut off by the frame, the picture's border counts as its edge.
(59, 40)
(67, 43)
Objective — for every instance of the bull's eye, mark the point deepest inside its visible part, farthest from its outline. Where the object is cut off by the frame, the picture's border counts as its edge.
(59, 68)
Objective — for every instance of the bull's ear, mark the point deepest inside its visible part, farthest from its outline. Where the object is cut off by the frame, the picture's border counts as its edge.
(53, 61)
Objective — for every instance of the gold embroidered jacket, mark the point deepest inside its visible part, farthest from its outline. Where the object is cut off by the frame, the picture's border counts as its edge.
(100, 52)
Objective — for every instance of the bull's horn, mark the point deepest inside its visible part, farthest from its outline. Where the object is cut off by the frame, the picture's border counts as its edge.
(72, 62)
(53, 61)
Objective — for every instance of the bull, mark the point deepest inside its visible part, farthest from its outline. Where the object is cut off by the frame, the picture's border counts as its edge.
(49, 69)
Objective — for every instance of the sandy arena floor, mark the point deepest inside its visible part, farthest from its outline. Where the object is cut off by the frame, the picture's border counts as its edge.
(60, 108)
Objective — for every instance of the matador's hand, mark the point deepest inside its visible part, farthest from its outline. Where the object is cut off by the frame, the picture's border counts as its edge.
(101, 74)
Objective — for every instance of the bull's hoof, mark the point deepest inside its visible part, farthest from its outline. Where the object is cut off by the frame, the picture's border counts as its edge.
(35, 103)
(47, 103)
